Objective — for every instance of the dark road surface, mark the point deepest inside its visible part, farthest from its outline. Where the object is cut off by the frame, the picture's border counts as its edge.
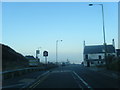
(75, 76)
(71, 76)
(55, 80)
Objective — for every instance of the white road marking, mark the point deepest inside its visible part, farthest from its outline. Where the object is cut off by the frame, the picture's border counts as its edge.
(41, 80)
(59, 71)
(82, 80)
(77, 81)
(43, 74)
(37, 82)
(10, 86)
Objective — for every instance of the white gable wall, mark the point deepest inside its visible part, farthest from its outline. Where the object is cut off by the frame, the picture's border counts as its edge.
(92, 57)
(95, 56)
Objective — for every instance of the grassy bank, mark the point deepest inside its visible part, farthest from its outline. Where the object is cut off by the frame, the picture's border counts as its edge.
(115, 65)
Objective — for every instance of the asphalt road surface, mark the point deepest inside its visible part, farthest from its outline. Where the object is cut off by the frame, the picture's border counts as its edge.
(75, 76)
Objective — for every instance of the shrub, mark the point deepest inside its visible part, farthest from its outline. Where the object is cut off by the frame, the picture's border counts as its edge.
(115, 65)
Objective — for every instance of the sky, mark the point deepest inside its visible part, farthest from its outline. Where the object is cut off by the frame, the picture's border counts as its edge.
(27, 26)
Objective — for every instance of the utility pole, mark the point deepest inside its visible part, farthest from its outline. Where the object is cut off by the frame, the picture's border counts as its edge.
(105, 46)
(57, 50)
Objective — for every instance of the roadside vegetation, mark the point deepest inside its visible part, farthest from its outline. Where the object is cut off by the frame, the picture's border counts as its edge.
(12, 60)
(114, 64)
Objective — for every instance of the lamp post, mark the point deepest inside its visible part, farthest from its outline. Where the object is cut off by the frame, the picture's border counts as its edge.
(103, 30)
(57, 50)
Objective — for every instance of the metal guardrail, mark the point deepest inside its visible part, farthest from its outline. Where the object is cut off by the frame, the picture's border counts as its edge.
(9, 71)
(14, 73)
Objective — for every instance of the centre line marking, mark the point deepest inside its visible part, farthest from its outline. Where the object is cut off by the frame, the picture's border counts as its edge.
(40, 81)
(36, 83)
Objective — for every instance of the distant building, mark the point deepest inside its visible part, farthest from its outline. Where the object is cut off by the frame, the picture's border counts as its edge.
(94, 55)
(32, 61)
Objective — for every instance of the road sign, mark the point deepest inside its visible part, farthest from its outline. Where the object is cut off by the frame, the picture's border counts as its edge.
(45, 53)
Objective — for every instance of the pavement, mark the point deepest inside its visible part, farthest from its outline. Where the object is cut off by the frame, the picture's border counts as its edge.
(72, 76)
(22, 81)
(104, 71)
(76, 76)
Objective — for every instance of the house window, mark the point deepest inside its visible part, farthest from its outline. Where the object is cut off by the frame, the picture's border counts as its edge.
(101, 62)
(99, 56)
(92, 62)
(86, 56)
(98, 62)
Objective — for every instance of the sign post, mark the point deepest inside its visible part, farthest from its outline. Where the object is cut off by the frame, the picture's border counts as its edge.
(45, 54)
(37, 53)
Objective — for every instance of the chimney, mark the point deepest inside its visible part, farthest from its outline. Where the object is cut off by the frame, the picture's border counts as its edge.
(113, 42)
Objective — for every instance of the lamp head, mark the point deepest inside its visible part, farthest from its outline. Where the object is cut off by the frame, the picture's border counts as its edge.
(90, 4)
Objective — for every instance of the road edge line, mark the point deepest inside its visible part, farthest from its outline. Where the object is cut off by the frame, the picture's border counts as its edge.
(82, 80)
(34, 82)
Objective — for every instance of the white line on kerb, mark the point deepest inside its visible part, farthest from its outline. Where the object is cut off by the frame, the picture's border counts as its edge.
(82, 80)
(13, 85)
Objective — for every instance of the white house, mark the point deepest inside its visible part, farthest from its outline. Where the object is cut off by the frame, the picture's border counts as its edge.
(94, 55)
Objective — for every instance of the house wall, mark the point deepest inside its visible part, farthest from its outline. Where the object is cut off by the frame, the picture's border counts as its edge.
(94, 63)
(92, 57)
(96, 56)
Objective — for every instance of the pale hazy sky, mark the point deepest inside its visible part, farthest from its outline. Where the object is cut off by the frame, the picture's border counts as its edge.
(30, 25)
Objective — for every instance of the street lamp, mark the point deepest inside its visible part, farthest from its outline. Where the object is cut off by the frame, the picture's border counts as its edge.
(57, 50)
(103, 28)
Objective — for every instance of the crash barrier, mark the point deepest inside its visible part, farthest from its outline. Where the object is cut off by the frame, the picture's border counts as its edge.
(18, 72)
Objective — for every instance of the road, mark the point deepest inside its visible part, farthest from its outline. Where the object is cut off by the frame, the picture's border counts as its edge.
(75, 76)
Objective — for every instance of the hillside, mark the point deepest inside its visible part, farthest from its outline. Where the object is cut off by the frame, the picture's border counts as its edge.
(12, 59)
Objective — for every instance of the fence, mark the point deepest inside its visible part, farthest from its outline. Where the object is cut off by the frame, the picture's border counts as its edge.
(19, 72)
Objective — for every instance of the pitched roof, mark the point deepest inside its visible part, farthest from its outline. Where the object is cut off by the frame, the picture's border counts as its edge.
(98, 49)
